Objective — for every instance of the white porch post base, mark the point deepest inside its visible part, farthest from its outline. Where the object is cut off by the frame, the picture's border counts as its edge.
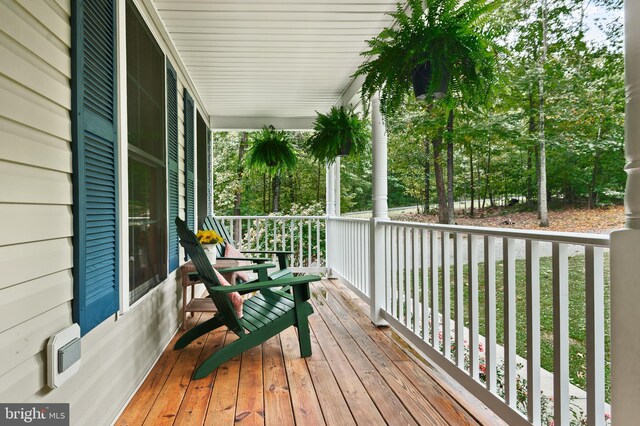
(625, 327)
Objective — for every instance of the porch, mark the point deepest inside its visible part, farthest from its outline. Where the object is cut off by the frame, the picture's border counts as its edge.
(358, 374)
(392, 273)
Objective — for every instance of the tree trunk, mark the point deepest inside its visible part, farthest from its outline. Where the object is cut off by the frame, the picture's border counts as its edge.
(440, 184)
(450, 198)
(532, 130)
(427, 177)
(318, 185)
(593, 193)
(276, 192)
(542, 160)
(487, 173)
(238, 195)
(264, 193)
(480, 198)
(472, 183)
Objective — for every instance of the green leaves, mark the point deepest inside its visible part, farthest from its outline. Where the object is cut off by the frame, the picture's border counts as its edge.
(446, 33)
(336, 129)
(271, 151)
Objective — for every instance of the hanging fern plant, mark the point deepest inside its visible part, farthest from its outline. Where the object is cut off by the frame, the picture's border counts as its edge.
(340, 132)
(271, 151)
(439, 48)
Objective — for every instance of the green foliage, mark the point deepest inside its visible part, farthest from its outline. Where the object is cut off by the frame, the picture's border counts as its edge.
(304, 184)
(584, 124)
(339, 128)
(271, 151)
(448, 35)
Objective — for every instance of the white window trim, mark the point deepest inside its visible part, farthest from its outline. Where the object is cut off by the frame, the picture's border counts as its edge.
(123, 167)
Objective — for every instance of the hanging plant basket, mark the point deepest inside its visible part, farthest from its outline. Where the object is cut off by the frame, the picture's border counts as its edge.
(271, 151)
(421, 80)
(345, 149)
(432, 45)
(338, 133)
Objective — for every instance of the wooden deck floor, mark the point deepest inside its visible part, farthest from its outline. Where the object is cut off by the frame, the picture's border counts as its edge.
(358, 374)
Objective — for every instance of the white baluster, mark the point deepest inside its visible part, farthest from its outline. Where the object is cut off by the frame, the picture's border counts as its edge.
(533, 331)
(446, 295)
(415, 266)
(424, 245)
(435, 318)
(509, 293)
(561, 414)
(407, 277)
(300, 253)
(459, 298)
(309, 243)
(473, 305)
(594, 283)
(388, 252)
(490, 311)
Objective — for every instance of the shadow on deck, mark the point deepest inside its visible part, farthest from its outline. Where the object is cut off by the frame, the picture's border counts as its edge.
(358, 374)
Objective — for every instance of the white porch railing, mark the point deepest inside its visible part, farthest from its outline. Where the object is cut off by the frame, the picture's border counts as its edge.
(430, 276)
(303, 235)
(349, 253)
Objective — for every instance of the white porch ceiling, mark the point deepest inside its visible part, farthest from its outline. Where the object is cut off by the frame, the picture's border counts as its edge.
(257, 63)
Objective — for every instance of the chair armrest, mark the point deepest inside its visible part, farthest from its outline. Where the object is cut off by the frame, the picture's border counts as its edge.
(255, 267)
(260, 268)
(269, 251)
(247, 259)
(282, 256)
(254, 286)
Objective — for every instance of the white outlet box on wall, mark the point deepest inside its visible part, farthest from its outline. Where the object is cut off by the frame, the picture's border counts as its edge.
(63, 355)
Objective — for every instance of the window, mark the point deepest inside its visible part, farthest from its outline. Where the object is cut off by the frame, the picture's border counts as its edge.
(202, 132)
(146, 153)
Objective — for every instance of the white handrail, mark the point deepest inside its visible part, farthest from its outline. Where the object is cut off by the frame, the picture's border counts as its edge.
(598, 240)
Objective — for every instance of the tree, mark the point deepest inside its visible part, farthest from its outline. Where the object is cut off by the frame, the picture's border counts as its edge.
(445, 41)
(271, 152)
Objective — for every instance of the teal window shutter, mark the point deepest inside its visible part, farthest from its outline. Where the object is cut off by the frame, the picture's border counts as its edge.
(209, 173)
(95, 163)
(172, 141)
(189, 159)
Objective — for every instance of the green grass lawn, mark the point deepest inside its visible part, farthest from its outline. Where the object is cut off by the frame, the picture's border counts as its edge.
(577, 307)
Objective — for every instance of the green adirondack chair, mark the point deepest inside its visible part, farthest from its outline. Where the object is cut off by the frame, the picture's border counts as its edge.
(266, 314)
(212, 223)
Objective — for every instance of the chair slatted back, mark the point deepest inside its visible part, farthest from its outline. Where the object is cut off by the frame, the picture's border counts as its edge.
(190, 242)
(213, 224)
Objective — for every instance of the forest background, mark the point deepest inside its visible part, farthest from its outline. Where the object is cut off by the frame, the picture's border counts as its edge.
(559, 80)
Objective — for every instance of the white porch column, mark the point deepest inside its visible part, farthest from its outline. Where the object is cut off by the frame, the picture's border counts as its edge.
(625, 246)
(330, 190)
(379, 150)
(330, 213)
(336, 185)
(380, 212)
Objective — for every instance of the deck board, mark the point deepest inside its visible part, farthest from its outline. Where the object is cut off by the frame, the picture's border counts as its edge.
(358, 374)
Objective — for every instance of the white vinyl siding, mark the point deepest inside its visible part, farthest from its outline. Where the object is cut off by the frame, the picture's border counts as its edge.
(36, 251)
